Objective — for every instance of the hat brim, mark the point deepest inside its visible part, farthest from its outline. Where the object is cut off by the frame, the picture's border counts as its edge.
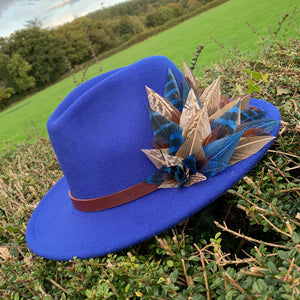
(56, 230)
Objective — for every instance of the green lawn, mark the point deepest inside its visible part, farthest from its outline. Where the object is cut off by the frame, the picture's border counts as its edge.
(226, 23)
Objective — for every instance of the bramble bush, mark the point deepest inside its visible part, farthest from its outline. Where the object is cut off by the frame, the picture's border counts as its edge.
(245, 245)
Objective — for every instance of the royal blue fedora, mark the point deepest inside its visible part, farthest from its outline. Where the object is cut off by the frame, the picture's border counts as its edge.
(110, 197)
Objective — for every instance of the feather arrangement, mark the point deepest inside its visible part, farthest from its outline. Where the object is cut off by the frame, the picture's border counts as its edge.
(197, 135)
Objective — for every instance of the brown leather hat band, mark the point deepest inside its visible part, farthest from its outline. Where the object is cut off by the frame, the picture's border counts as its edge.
(132, 193)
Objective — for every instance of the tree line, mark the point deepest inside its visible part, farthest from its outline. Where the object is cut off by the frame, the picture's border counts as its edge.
(35, 57)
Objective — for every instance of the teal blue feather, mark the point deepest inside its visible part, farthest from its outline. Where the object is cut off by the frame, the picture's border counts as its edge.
(172, 91)
(251, 115)
(265, 125)
(159, 176)
(213, 168)
(228, 120)
(166, 130)
(221, 150)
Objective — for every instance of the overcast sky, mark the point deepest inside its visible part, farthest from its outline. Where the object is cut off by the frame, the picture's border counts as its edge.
(15, 13)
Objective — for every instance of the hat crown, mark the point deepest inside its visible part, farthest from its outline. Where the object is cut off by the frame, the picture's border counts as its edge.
(99, 129)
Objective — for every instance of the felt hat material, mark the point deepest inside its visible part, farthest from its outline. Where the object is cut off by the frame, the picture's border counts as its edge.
(97, 133)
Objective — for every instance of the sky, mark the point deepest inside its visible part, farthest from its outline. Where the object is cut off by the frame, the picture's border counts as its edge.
(15, 13)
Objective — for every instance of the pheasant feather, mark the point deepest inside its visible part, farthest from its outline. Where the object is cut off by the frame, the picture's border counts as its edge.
(249, 146)
(196, 140)
(163, 106)
(211, 97)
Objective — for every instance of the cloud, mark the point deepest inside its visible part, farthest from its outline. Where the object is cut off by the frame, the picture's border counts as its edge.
(61, 3)
(6, 4)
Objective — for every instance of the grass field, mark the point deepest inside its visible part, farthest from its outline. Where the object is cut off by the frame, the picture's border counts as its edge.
(225, 23)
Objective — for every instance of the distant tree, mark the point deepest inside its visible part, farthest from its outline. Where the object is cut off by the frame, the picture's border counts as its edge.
(177, 8)
(166, 13)
(124, 28)
(193, 4)
(42, 50)
(5, 94)
(4, 77)
(153, 19)
(18, 69)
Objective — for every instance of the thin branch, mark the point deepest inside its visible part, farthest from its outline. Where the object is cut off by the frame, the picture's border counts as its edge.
(235, 284)
(225, 228)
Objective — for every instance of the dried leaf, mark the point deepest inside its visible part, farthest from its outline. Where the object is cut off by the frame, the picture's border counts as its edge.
(156, 156)
(248, 146)
(195, 178)
(4, 253)
(190, 109)
(211, 97)
(162, 106)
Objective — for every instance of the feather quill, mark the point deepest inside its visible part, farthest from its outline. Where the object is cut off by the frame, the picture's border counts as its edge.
(163, 106)
(248, 146)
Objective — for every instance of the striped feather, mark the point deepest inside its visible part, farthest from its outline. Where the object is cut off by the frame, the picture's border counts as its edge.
(166, 130)
(229, 119)
(172, 91)
(265, 125)
(221, 150)
(163, 106)
(196, 130)
(156, 156)
(194, 178)
(190, 109)
(251, 115)
(191, 79)
(248, 146)
(211, 97)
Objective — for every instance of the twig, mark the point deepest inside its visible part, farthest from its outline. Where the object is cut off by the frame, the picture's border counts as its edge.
(196, 56)
(92, 50)
(188, 278)
(204, 275)
(225, 228)
(71, 70)
(284, 153)
(58, 286)
(276, 228)
(235, 284)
